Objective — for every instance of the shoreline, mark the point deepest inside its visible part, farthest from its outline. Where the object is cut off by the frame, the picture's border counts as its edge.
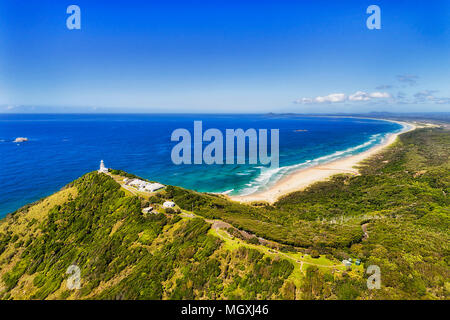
(301, 179)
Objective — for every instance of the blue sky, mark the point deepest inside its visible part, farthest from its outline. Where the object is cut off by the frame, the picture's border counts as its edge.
(224, 56)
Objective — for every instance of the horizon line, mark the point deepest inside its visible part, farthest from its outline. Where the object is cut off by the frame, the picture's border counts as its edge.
(232, 113)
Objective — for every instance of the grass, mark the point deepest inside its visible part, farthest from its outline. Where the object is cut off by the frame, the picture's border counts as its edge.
(232, 243)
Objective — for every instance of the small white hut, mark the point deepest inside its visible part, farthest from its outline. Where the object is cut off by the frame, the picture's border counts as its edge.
(169, 204)
(147, 210)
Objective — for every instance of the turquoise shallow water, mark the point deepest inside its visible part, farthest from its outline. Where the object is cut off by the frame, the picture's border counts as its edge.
(63, 147)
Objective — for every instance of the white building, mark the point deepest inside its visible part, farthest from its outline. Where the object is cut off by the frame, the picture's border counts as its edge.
(347, 263)
(169, 204)
(102, 169)
(142, 185)
(152, 187)
(147, 210)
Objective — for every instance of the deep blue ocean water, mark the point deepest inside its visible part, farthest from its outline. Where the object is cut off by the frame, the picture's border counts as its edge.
(61, 148)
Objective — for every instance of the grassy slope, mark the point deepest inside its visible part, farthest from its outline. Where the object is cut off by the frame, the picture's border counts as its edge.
(402, 195)
(123, 254)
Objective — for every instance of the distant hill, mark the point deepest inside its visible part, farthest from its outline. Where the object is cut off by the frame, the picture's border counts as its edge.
(434, 117)
(394, 215)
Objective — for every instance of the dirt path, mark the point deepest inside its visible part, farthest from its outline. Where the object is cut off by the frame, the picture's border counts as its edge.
(364, 229)
(218, 224)
(221, 225)
(123, 185)
(129, 189)
(187, 215)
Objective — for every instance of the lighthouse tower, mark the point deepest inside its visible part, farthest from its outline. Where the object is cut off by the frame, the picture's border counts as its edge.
(102, 169)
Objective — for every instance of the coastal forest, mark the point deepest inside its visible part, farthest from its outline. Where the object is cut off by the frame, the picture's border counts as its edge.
(312, 244)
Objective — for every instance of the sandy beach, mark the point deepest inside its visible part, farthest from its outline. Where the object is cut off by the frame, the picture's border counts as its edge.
(301, 179)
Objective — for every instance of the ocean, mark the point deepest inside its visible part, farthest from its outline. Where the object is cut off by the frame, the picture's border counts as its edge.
(63, 147)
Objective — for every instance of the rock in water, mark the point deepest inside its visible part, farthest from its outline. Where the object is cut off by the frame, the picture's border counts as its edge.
(21, 139)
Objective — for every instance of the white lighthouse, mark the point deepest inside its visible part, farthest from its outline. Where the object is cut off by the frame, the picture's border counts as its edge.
(102, 169)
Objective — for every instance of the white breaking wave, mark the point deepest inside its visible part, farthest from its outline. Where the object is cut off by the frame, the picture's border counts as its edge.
(227, 192)
(243, 173)
(269, 176)
(373, 139)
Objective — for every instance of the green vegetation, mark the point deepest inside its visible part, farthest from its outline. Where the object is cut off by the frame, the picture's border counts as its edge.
(401, 198)
(125, 174)
(123, 254)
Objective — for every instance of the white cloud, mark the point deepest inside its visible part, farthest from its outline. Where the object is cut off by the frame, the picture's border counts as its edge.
(384, 86)
(427, 96)
(304, 100)
(333, 97)
(408, 78)
(359, 96)
(442, 100)
(364, 96)
(380, 95)
(342, 97)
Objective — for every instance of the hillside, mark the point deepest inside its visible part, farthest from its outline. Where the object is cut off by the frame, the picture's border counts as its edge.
(395, 215)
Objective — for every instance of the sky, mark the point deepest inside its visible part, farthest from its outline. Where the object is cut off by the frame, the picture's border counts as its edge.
(224, 56)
